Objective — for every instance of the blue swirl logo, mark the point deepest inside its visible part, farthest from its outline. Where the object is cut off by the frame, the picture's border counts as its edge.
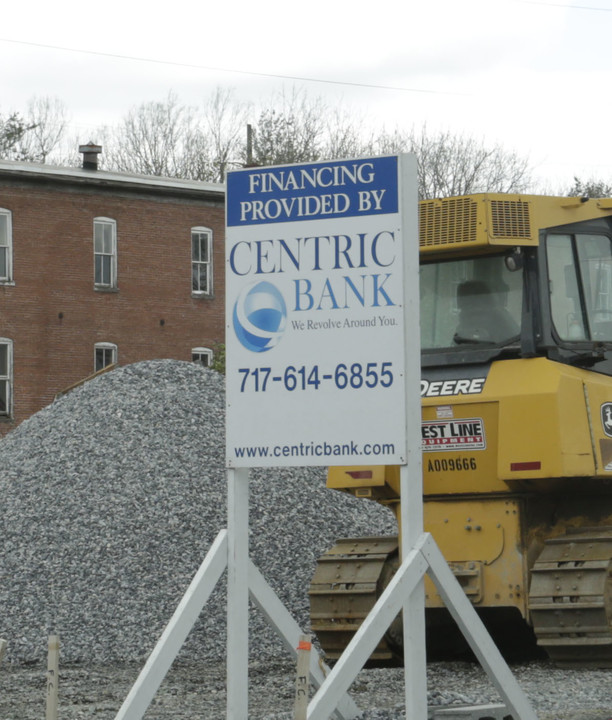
(260, 316)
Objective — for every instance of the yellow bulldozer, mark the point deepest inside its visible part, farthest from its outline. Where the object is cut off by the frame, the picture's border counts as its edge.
(516, 362)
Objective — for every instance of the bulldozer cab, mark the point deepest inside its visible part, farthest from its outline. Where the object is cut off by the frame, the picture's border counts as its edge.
(549, 295)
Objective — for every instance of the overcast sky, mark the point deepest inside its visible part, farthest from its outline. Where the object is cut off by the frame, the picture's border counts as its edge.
(531, 75)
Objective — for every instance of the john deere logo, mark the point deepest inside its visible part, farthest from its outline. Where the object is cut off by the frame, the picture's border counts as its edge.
(260, 316)
(606, 418)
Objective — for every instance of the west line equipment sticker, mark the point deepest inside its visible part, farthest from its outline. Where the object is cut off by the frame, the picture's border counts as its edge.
(467, 434)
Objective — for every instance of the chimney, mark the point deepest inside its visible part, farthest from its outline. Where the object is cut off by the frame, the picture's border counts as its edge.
(90, 155)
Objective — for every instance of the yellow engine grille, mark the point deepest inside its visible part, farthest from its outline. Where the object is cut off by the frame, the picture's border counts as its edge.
(446, 222)
(510, 219)
(474, 219)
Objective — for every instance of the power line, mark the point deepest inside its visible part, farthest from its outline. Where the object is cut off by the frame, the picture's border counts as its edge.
(227, 70)
(563, 5)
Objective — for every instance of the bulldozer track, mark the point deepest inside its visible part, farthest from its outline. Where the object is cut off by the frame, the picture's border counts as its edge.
(570, 598)
(344, 588)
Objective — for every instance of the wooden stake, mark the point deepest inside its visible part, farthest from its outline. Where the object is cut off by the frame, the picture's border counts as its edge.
(302, 684)
(52, 677)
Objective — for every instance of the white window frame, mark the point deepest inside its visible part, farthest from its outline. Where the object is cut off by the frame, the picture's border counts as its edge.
(7, 217)
(105, 346)
(197, 264)
(111, 253)
(202, 352)
(7, 379)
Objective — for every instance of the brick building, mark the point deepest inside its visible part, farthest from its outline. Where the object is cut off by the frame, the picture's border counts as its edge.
(99, 267)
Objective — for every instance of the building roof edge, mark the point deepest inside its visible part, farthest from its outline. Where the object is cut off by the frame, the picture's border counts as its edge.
(24, 170)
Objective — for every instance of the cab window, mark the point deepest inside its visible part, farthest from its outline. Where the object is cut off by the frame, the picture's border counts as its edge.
(469, 302)
(580, 285)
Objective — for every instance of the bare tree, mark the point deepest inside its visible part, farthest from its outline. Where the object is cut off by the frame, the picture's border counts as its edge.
(225, 121)
(167, 138)
(289, 130)
(450, 165)
(67, 153)
(298, 129)
(156, 138)
(343, 135)
(47, 122)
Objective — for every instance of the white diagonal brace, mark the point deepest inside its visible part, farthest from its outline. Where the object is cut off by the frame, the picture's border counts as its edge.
(279, 618)
(367, 637)
(161, 658)
(475, 633)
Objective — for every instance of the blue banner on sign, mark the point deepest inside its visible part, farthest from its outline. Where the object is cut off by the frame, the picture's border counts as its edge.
(340, 188)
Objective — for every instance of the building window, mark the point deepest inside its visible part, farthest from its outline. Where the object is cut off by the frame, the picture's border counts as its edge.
(105, 253)
(6, 377)
(201, 261)
(202, 355)
(105, 354)
(6, 246)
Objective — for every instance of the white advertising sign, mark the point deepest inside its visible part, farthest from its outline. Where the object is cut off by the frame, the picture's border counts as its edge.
(315, 313)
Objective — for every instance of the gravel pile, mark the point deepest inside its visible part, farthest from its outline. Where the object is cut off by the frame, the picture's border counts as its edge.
(111, 497)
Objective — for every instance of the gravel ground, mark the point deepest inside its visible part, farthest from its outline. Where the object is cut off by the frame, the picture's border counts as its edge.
(111, 497)
(196, 691)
